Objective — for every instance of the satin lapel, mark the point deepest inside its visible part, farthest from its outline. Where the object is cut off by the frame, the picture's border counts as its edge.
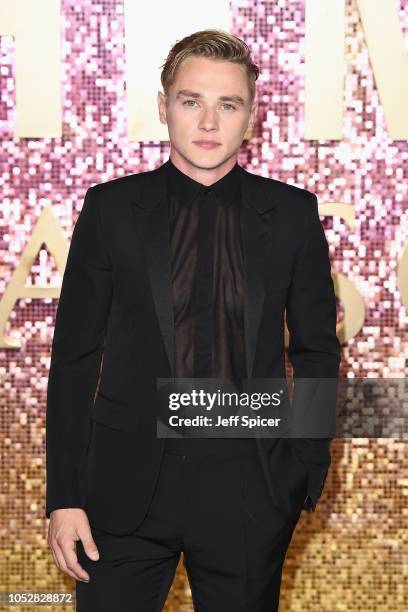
(151, 219)
(257, 228)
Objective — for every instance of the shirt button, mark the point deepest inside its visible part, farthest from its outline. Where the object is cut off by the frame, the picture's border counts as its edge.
(208, 190)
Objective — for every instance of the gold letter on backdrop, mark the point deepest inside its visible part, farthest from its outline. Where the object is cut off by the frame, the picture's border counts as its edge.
(324, 61)
(49, 232)
(35, 25)
(324, 65)
(345, 289)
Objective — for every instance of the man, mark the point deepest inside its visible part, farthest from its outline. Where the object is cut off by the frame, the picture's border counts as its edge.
(185, 271)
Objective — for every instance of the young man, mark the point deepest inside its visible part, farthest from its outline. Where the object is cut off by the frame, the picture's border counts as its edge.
(185, 271)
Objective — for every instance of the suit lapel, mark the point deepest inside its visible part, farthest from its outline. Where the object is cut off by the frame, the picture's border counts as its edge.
(151, 223)
(256, 231)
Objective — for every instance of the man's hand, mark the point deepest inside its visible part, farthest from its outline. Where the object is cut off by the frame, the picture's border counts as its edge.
(67, 525)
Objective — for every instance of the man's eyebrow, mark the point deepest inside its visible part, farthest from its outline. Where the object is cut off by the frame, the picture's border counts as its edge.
(195, 94)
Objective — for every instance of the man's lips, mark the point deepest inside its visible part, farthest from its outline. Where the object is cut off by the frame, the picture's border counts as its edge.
(206, 144)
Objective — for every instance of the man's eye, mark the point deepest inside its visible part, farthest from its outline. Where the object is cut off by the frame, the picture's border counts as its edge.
(185, 103)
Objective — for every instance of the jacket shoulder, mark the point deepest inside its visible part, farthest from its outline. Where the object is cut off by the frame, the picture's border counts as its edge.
(291, 192)
(286, 193)
(120, 185)
(296, 205)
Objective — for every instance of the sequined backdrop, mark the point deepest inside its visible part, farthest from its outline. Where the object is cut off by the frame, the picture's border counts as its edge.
(351, 554)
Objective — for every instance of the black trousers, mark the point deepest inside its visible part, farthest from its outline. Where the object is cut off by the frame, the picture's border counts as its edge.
(217, 510)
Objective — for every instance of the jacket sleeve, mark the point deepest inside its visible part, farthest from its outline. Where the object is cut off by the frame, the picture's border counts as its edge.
(314, 349)
(76, 353)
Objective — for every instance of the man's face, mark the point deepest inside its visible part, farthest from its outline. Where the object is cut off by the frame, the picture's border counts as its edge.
(204, 116)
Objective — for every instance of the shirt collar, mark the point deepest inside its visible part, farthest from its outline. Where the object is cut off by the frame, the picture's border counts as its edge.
(186, 189)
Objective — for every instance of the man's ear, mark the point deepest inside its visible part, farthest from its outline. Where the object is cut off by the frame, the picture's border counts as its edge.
(161, 103)
(253, 115)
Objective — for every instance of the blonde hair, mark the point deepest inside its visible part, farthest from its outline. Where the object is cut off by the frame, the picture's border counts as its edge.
(216, 44)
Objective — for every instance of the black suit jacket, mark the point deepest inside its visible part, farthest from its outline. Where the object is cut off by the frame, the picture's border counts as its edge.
(115, 310)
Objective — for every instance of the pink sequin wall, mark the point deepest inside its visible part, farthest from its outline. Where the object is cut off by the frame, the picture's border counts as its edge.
(361, 519)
